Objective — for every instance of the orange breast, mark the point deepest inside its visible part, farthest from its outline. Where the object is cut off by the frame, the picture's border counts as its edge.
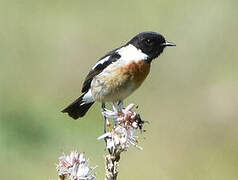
(117, 83)
(136, 71)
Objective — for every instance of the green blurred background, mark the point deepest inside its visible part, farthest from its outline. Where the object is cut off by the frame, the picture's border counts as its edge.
(190, 96)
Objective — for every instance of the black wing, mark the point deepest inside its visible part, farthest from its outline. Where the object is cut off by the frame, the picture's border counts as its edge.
(106, 60)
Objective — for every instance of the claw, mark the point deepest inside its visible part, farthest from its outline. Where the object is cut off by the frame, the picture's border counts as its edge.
(110, 114)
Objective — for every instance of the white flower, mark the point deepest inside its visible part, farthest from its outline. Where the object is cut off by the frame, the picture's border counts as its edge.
(122, 135)
(74, 167)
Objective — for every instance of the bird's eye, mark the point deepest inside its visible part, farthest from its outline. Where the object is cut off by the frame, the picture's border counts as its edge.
(148, 42)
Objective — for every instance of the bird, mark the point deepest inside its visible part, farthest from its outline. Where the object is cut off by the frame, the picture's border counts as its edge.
(119, 73)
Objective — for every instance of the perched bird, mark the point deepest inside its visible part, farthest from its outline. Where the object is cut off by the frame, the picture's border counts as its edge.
(120, 72)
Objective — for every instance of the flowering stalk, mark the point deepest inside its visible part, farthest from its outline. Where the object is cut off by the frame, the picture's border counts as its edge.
(120, 137)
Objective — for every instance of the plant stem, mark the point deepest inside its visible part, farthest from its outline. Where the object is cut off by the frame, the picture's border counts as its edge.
(111, 166)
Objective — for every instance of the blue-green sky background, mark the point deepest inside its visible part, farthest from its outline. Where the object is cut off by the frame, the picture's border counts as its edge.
(190, 97)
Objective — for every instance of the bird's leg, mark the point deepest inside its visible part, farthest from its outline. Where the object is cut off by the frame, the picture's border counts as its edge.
(118, 110)
(104, 117)
(112, 114)
(117, 107)
(120, 104)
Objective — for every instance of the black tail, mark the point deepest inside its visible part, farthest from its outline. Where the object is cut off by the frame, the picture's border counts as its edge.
(78, 108)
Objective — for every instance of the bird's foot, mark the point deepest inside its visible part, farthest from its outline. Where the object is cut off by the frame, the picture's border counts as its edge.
(110, 114)
(122, 133)
(124, 116)
(118, 113)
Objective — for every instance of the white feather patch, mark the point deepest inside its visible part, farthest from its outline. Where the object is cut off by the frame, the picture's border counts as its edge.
(87, 98)
(131, 53)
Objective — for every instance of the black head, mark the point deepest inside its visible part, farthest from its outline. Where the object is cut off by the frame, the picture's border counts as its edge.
(150, 43)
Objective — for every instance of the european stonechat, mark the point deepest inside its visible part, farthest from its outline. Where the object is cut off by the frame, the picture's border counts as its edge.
(120, 72)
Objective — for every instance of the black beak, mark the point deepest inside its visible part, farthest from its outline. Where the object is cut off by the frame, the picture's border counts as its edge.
(168, 44)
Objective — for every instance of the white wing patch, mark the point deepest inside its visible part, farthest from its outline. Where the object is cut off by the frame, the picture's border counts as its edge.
(131, 53)
(101, 62)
